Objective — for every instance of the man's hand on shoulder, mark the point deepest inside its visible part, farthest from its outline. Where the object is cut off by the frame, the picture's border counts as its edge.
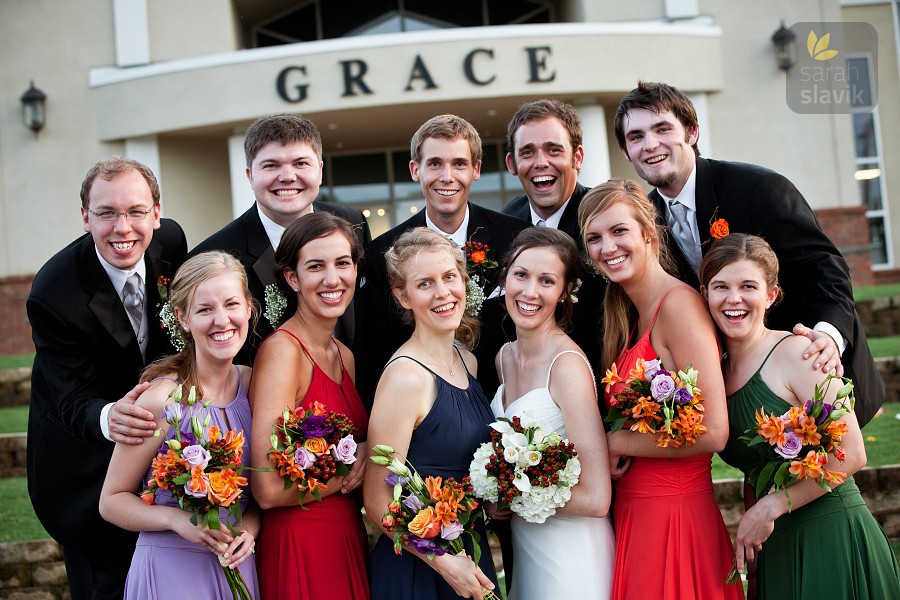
(130, 424)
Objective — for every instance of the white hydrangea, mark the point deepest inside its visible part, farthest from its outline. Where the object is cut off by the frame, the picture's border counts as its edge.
(537, 505)
(484, 485)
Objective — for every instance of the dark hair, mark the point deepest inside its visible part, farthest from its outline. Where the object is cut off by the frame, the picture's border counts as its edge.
(112, 167)
(283, 128)
(616, 304)
(564, 247)
(657, 98)
(539, 110)
(410, 244)
(190, 275)
(297, 235)
(741, 246)
(446, 127)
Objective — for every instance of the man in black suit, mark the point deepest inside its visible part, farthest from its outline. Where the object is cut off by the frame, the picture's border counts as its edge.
(545, 152)
(284, 167)
(94, 313)
(446, 161)
(656, 127)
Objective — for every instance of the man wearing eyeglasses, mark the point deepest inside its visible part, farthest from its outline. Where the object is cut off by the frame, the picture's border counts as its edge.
(94, 309)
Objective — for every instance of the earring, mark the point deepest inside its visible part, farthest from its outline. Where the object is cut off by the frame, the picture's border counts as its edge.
(295, 289)
(648, 240)
(186, 328)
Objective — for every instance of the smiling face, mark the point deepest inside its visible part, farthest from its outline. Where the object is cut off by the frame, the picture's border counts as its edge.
(285, 180)
(660, 149)
(545, 163)
(218, 317)
(325, 276)
(616, 244)
(121, 242)
(446, 173)
(534, 286)
(738, 298)
(434, 290)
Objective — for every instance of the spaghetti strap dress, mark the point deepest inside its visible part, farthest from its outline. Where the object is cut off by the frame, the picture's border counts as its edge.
(165, 565)
(318, 552)
(830, 548)
(566, 556)
(671, 540)
(442, 446)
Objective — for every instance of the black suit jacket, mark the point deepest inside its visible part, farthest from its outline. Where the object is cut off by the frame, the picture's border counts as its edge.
(812, 272)
(86, 357)
(587, 318)
(246, 238)
(381, 328)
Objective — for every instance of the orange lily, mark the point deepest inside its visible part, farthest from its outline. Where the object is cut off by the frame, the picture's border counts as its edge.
(612, 378)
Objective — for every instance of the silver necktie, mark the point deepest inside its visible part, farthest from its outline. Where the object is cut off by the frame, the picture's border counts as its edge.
(683, 234)
(133, 299)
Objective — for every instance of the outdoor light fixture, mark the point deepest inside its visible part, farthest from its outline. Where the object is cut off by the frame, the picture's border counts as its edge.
(785, 42)
(33, 112)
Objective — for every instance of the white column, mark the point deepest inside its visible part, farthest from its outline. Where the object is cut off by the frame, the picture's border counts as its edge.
(132, 32)
(241, 193)
(146, 150)
(596, 168)
(702, 107)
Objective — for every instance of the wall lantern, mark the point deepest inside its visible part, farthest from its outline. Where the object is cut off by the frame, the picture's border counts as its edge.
(785, 42)
(33, 113)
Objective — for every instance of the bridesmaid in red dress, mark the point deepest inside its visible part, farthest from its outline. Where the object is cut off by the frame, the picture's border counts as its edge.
(671, 541)
(317, 552)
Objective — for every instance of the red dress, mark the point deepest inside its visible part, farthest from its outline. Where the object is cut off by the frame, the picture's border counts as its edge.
(319, 553)
(671, 541)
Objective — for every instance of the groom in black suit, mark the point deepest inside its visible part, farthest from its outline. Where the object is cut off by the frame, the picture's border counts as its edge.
(94, 313)
(284, 167)
(656, 128)
(446, 161)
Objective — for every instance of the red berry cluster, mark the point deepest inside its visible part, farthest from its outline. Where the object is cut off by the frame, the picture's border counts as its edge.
(473, 246)
(323, 469)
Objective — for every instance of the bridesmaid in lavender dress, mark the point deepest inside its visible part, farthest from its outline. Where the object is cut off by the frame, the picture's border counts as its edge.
(174, 558)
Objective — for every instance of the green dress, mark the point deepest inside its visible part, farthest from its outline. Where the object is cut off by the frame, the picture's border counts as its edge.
(829, 548)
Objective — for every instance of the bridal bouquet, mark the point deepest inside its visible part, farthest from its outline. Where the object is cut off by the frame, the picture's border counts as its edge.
(526, 467)
(795, 445)
(430, 515)
(310, 447)
(202, 470)
(657, 401)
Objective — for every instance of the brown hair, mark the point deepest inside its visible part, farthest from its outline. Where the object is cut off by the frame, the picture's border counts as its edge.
(112, 167)
(190, 275)
(564, 246)
(446, 127)
(741, 246)
(284, 129)
(297, 235)
(539, 110)
(409, 245)
(617, 307)
(657, 98)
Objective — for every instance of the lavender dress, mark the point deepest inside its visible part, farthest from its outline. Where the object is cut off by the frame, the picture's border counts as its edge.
(165, 565)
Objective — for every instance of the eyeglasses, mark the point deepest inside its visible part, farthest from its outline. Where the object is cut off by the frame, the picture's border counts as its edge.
(132, 215)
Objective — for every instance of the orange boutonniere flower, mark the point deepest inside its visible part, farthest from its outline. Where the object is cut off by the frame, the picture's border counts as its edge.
(719, 229)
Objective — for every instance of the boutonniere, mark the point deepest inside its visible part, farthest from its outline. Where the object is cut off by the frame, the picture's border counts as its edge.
(477, 266)
(275, 305)
(167, 318)
(718, 228)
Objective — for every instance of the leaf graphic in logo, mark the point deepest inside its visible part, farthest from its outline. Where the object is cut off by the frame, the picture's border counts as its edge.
(818, 47)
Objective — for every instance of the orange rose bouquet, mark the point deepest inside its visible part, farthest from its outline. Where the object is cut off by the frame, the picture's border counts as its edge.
(430, 515)
(311, 446)
(201, 467)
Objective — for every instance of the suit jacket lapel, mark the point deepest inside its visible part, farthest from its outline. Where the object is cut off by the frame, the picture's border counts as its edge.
(259, 247)
(478, 229)
(705, 201)
(569, 221)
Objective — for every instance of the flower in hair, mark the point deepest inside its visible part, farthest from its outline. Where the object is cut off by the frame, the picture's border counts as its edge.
(167, 318)
(573, 295)
(275, 305)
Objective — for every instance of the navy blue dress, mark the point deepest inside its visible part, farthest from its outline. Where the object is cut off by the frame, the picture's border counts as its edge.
(442, 445)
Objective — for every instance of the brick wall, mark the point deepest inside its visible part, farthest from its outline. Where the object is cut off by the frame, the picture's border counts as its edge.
(33, 570)
(15, 332)
(848, 229)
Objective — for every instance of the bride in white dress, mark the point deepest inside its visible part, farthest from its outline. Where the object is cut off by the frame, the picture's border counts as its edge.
(570, 555)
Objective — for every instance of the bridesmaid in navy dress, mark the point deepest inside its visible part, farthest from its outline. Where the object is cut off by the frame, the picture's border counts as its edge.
(428, 407)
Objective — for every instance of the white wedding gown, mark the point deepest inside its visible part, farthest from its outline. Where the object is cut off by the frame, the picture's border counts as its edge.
(564, 557)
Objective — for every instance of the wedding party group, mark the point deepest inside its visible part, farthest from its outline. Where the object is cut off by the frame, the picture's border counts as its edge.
(558, 375)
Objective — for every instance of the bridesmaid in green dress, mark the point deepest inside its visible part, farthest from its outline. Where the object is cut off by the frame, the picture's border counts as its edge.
(826, 544)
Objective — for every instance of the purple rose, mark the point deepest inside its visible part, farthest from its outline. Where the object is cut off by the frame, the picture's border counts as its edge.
(683, 395)
(650, 368)
(413, 503)
(304, 458)
(423, 546)
(823, 416)
(452, 531)
(791, 446)
(662, 387)
(345, 450)
(196, 456)
(314, 426)
(393, 479)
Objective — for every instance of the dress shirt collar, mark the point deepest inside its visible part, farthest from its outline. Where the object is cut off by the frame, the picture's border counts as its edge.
(551, 221)
(274, 231)
(118, 276)
(688, 194)
(458, 237)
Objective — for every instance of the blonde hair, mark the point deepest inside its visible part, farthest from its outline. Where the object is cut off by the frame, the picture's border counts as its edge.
(617, 306)
(190, 275)
(408, 246)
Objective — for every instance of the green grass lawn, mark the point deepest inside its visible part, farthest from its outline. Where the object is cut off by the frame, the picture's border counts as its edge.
(19, 520)
(13, 419)
(14, 361)
(885, 346)
(870, 292)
